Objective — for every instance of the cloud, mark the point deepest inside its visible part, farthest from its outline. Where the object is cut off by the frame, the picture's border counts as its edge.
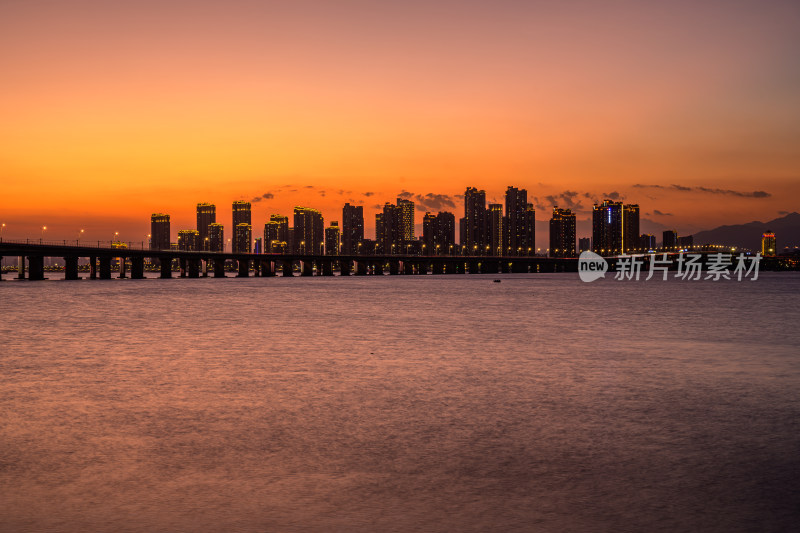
(368, 194)
(683, 188)
(265, 196)
(309, 186)
(657, 212)
(783, 212)
(405, 195)
(565, 199)
(435, 202)
(613, 195)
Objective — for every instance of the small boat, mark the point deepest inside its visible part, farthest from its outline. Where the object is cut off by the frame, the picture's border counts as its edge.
(497, 281)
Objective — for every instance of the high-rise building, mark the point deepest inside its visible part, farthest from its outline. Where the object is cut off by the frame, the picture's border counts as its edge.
(584, 244)
(378, 233)
(206, 215)
(257, 246)
(241, 215)
(332, 234)
(474, 220)
(529, 227)
(562, 233)
(406, 219)
(242, 238)
(216, 238)
(352, 228)
(189, 240)
(685, 242)
(392, 229)
(159, 231)
(768, 244)
(494, 229)
(630, 228)
(607, 228)
(309, 231)
(276, 233)
(647, 242)
(669, 242)
(439, 233)
(515, 234)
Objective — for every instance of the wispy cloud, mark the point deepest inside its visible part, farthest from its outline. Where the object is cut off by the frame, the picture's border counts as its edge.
(265, 196)
(683, 188)
(657, 212)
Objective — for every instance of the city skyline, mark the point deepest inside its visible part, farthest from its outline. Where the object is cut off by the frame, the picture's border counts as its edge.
(686, 105)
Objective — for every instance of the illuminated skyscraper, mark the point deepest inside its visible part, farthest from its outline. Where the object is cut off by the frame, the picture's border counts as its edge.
(584, 244)
(630, 228)
(685, 242)
(242, 238)
(768, 244)
(206, 215)
(378, 233)
(405, 216)
(515, 232)
(529, 228)
(309, 231)
(216, 238)
(562, 233)
(427, 232)
(352, 228)
(607, 228)
(494, 230)
(241, 215)
(159, 231)
(332, 234)
(276, 234)
(439, 233)
(647, 242)
(669, 242)
(474, 220)
(188, 240)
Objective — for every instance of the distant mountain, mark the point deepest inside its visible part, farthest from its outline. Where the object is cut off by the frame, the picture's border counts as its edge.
(787, 233)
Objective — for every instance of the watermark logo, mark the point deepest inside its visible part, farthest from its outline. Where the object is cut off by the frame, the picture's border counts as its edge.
(591, 266)
(687, 267)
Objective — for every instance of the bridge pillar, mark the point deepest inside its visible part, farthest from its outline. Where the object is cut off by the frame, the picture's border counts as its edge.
(166, 267)
(35, 267)
(137, 267)
(361, 268)
(105, 267)
(519, 267)
(377, 268)
(219, 268)
(194, 268)
(505, 267)
(244, 268)
(394, 268)
(287, 269)
(474, 267)
(21, 267)
(123, 267)
(489, 267)
(327, 268)
(92, 268)
(1, 267)
(408, 268)
(345, 267)
(71, 267)
(267, 270)
(182, 266)
(437, 267)
(307, 268)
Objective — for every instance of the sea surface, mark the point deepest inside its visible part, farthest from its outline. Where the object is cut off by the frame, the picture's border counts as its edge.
(400, 403)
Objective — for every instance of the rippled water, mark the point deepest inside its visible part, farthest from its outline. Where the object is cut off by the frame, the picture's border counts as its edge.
(436, 403)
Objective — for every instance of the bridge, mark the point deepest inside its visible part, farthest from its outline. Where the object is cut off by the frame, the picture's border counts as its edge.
(194, 264)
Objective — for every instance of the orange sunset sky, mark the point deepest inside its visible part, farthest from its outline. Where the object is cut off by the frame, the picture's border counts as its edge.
(110, 111)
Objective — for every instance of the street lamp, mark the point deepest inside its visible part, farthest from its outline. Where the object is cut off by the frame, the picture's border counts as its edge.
(44, 228)
(78, 240)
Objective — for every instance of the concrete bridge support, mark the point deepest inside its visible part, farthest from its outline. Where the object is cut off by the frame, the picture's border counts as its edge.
(361, 268)
(219, 268)
(267, 269)
(474, 267)
(137, 267)
(71, 268)
(307, 268)
(166, 267)
(519, 267)
(244, 268)
(123, 267)
(505, 267)
(21, 267)
(105, 267)
(35, 267)
(345, 267)
(288, 267)
(194, 268)
(421, 268)
(437, 267)
(408, 268)
(394, 268)
(327, 268)
(182, 266)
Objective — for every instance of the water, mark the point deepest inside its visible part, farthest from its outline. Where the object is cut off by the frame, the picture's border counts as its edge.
(437, 403)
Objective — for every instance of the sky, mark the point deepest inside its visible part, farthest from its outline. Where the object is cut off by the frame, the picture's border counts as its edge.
(112, 111)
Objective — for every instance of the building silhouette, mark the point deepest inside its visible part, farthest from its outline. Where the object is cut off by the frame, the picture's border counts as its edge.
(584, 244)
(216, 237)
(159, 231)
(189, 240)
(240, 215)
(630, 228)
(276, 234)
(473, 236)
(768, 244)
(206, 215)
(685, 242)
(439, 233)
(352, 228)
(647, 242)
(309, 231)
(494, 237)
(607, 228)
(562, 233)
(242, 238)
(669, 241)
(332, 236)
(405, 212)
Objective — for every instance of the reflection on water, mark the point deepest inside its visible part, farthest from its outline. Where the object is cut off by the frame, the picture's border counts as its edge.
(400, 404)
